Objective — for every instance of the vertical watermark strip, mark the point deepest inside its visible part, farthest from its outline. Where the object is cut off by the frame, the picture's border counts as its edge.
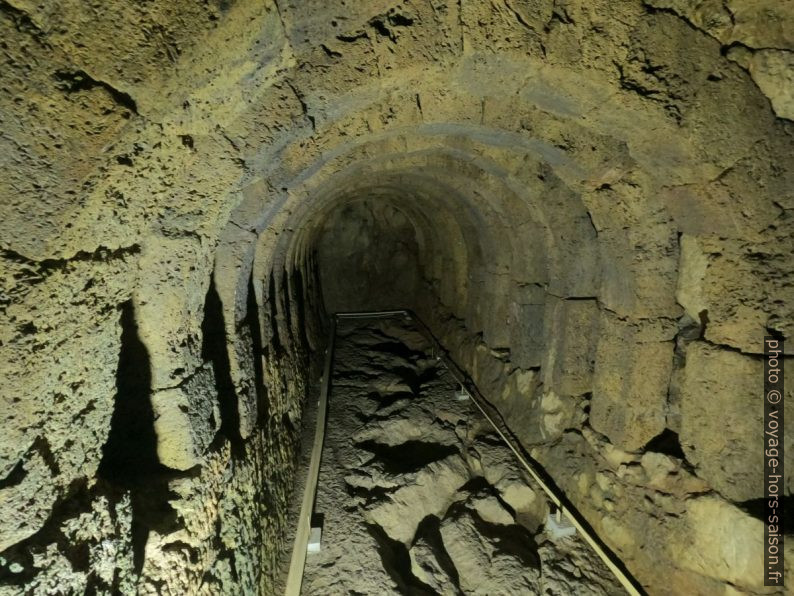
(773, 461)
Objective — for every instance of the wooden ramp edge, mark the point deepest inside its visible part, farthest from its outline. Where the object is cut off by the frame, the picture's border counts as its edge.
(298, 561)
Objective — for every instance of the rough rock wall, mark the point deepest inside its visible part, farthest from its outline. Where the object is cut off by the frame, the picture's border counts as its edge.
(601, 198)
(147, 446)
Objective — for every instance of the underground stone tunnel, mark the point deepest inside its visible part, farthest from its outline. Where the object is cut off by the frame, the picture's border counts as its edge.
(588, 204)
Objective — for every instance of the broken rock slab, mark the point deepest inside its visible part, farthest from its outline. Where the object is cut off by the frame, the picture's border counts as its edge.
(491, 510)
(484, 566)
(431, 493)
(426, 568)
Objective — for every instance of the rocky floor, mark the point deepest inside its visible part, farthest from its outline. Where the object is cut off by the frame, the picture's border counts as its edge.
(418, 495)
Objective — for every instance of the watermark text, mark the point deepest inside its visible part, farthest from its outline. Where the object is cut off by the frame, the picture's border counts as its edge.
(773, 461)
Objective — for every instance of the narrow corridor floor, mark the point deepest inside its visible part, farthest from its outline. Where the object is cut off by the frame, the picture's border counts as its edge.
(418, 494)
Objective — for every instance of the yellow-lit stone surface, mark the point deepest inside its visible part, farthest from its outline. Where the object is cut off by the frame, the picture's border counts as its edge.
(588, 202)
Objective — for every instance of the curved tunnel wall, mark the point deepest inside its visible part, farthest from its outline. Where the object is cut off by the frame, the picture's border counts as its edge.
(566, 310)
(601, 220)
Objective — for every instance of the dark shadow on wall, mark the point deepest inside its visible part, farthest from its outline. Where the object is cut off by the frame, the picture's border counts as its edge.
(275, 340)
(252, 321)
(129, 457)
(668, 443)
(314, 299)
(300, 305)
(214, 350)
(131, 449)
(286, 297)
(758, 509)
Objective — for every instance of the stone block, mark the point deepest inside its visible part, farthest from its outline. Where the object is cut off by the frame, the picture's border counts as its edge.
(721, 419)
(570, 338)
(186, 420)
(632, 374)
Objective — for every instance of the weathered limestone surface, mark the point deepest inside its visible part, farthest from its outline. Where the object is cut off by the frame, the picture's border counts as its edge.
(757, 34)
(719, 417)
(589, 202)
(632, 373)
